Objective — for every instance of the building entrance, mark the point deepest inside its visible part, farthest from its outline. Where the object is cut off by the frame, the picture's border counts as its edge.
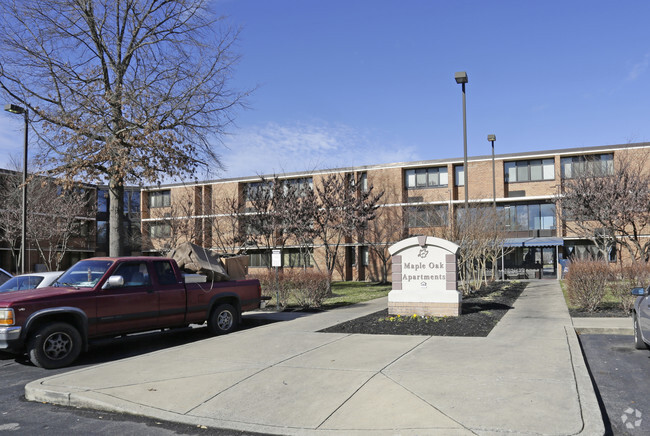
(530, 259)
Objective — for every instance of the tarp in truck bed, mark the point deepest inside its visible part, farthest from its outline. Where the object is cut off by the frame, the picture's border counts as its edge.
(191, 257)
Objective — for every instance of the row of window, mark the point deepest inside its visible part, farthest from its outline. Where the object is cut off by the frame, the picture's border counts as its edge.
(517, 171)
(131, 201)
(291, 257)
(518, 217)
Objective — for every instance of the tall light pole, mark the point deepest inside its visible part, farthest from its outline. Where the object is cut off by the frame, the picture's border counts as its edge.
(493, 138)
(461, 77)
(21, 110)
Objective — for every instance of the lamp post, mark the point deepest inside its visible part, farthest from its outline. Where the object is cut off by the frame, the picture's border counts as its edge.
(21, 110)
(461, 77)
(493, 138)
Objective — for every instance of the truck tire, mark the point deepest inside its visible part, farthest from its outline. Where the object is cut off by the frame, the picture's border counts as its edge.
(54, 346)
(224, 319)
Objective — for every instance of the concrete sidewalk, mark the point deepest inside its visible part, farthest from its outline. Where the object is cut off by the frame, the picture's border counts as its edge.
(527, 377)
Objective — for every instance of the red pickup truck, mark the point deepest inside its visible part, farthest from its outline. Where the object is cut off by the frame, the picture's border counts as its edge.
(104, 297)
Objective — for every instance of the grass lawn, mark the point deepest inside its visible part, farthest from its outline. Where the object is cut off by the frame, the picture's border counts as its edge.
(344, 294)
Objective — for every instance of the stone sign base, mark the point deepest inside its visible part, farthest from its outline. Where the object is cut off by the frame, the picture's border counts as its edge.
(407, 303)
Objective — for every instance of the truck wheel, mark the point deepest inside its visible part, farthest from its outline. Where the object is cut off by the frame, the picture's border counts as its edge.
(638, 339)
(224, 319)
(54, 346)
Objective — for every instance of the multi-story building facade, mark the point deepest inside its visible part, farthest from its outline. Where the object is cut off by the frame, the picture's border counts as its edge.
(86, 237)
(423, 197)
(419, 198)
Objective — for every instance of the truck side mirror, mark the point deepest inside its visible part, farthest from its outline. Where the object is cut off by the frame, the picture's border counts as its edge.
(114, 282)
(638, 292)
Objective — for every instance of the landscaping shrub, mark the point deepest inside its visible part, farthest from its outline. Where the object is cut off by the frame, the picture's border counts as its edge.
(308, 288)
(586, 283)
(627, 277)
(305, 288)
(270, 284)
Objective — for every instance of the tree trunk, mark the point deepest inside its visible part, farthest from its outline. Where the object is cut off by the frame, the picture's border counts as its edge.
(116, 217)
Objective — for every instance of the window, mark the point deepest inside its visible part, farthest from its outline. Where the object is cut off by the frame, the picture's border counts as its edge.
(102, 200)
(302, 185)
(160, 198)
(591, 165)
(427, 216)
(165, 272)
(134, 274)
(522, 217)
(459, 175)
(259, 259)
(426, 178)
(529, 170)
(294, 257)
(257, 190)
(132, 202)
(102, 232)
(363, 182)
(160, 230)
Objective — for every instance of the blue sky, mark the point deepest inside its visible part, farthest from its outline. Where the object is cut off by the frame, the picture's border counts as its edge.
(357, 82)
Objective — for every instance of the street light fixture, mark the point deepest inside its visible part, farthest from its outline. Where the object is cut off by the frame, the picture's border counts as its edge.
(461, 77)
(493, 138)
(12, 108)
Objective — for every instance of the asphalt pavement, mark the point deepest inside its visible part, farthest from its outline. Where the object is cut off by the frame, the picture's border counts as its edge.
(527, 377)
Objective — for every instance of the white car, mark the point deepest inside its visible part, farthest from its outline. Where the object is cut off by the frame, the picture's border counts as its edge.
(4, 276)
(641, 318)
(30, 281)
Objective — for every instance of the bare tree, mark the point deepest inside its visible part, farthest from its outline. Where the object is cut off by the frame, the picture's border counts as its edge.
(481, 235)
(171, 226)
(57, 218)
(120, 91)
(386, 229)
(610, 205)
(343, 211)
(11, 212)
(280, 210)
(226, 231)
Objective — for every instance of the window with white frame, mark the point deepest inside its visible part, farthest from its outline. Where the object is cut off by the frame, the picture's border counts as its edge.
(427, 216)
(459, 171)
(160, 198)
(434, 177)
(529, 170)
(589, 165)
(160, 230)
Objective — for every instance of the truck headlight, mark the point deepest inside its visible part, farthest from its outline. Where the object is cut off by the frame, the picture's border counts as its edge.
(6, 316)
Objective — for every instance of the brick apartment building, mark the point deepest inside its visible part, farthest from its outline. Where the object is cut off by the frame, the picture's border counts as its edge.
(419, 198)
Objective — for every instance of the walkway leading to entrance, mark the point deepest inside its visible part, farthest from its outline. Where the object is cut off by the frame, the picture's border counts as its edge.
(527, 377)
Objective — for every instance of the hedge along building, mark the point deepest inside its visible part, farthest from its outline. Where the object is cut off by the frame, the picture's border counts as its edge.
(419, 198)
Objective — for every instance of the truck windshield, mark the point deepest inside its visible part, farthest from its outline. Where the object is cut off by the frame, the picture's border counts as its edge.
(84, 274)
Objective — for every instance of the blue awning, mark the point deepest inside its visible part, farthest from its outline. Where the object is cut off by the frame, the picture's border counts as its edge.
(533, 242)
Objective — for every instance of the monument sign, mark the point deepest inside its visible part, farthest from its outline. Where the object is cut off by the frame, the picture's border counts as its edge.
(424, 278)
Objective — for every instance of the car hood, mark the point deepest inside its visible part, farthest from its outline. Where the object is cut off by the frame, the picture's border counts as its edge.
(35, 294)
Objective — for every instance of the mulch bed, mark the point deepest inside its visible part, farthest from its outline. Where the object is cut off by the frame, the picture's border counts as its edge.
(481, 311)
(603, 311)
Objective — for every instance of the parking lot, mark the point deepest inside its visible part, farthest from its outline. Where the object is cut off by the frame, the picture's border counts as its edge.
(620, 373)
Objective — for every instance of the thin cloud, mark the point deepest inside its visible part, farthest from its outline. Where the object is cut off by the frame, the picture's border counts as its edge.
(639, 68)
(274, 148)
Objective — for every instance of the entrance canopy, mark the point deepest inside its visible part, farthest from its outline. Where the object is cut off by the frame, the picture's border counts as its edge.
(533, 242)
